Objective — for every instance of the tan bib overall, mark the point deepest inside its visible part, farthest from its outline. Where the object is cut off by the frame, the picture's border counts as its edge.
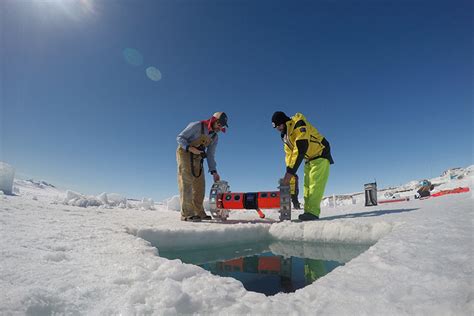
(191, 181)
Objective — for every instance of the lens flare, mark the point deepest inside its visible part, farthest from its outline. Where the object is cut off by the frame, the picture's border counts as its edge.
(153, 73)
(132, 56)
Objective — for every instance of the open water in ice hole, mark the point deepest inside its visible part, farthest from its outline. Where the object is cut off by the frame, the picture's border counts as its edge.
(270, 267)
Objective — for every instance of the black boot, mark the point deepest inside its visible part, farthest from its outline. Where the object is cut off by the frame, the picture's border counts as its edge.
(308, 217)
(193, 218)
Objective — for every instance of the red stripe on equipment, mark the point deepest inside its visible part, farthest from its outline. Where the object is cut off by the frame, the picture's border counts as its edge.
(394, 200)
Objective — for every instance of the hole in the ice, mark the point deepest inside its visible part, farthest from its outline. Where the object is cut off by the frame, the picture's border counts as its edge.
(270, 267)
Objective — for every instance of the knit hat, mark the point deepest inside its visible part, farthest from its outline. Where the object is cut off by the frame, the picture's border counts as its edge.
(279, 118)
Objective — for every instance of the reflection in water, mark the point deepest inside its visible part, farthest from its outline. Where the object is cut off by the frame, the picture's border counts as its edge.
(270, 274)
(271, 267)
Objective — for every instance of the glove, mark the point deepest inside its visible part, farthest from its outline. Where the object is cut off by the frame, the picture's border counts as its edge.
(287, 178)
(194, 150)
(296, 203)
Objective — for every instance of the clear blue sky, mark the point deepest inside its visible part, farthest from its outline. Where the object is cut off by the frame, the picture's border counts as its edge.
(389, 83)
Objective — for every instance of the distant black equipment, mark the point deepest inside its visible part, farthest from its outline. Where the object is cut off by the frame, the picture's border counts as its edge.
(370, 194)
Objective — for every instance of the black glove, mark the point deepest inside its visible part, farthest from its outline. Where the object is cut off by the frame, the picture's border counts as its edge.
(296, 203)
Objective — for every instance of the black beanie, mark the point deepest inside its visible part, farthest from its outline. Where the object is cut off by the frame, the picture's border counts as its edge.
(279, 118)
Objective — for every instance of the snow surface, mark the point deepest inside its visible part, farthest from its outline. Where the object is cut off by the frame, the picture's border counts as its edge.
(58, 258)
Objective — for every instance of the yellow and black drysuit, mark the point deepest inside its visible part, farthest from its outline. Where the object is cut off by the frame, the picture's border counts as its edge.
(191, 181)
(302, 141)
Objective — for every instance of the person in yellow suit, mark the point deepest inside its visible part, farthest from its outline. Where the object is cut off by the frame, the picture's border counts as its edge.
(302, 141)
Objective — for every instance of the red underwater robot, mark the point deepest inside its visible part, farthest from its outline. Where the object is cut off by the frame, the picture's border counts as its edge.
(221, 201)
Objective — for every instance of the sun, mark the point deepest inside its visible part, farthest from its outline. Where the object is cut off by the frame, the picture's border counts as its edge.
(73, 8)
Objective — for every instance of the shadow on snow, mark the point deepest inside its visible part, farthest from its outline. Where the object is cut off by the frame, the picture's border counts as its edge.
(368, 214)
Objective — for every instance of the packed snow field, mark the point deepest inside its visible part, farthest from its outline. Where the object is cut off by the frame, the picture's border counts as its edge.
(59, 257)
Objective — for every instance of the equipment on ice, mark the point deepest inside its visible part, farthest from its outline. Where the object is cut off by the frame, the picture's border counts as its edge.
(402, 199)
(370, 194)
(221, 201)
